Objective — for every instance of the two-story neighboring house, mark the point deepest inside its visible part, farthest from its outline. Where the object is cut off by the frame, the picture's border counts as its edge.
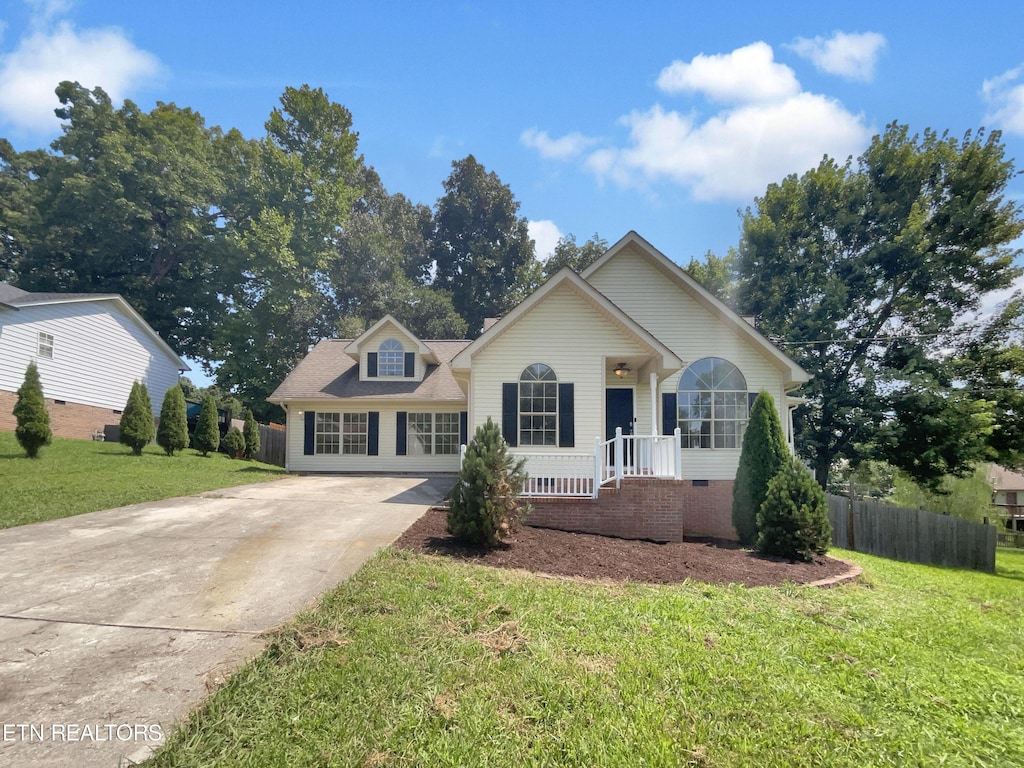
(626, 387)
(89, 349)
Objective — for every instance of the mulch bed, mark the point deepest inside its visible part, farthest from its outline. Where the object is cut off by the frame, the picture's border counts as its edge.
(603, 558)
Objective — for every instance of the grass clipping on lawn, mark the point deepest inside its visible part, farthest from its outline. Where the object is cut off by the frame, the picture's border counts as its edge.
(421, 660)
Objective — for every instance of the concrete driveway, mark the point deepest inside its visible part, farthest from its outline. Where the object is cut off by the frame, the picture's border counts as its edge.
(115, 624)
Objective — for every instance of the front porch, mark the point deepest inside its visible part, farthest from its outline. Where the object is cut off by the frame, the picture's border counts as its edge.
(582, 475)
(630, 486)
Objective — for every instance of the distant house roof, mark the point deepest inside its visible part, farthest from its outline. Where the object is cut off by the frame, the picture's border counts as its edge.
(1003, 479)
(17, 299)
(328, 372)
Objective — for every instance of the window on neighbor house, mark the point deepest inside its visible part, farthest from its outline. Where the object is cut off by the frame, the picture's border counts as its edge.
(712, 404)
(45, 345)
(433, 434)
(328, 433)
(538, 406)
(391, 358)
(354, 431)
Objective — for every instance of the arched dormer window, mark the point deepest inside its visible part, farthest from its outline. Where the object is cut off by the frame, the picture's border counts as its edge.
(538, 406)
(712, 404)
(391, 358)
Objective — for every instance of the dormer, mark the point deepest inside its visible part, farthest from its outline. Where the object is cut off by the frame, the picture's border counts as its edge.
(388, 351)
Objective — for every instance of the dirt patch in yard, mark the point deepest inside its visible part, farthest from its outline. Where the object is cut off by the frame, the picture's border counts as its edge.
(584, 555)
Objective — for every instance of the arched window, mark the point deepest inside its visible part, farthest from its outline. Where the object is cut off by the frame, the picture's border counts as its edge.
(712, 404)
(390, 359)
(538, 406)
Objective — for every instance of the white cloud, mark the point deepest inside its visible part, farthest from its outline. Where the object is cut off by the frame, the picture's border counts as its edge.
(769, 128)
(44, 11)
(748, 74)
(570, 145)
(94, 57)
(1005, 95)
(545, 235)
(848, 55)
(735, 154)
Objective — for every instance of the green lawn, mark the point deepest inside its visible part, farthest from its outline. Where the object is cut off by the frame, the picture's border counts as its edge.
(417, 661)
(75, 476)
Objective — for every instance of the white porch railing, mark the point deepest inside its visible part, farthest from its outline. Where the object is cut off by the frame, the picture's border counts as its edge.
(583, 474)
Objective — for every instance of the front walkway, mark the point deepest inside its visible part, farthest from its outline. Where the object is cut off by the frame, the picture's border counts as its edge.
(113, 625)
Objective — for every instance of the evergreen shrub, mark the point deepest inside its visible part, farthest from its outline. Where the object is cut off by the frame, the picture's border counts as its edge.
(793, 520)
(172, 434)
(763, 454)
(137, 428)
(33, 430)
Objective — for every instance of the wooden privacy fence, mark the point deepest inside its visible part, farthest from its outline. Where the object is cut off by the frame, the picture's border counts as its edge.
(913, 535)
(271, 445)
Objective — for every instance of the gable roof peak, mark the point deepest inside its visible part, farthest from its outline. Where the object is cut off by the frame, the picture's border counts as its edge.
(354, 346)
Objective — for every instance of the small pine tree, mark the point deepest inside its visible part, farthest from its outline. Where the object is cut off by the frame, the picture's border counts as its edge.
(137, 427)
(33, 430)
(251, 433)
(172, 434)
(206, 438)
(485, 507)
(793, 520)
(233, 442)
(764, 452)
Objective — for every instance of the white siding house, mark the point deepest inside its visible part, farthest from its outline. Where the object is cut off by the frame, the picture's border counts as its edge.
(89, 349)
(629, 370)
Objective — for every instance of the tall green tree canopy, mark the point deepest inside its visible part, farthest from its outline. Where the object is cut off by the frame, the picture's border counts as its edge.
(577, 257)
(292, 195)
(383, 266)
(866, 270)
(126, 203)
(481, 247)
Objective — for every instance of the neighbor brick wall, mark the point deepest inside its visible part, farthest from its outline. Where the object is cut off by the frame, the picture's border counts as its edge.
(67, 420)
(645, 508)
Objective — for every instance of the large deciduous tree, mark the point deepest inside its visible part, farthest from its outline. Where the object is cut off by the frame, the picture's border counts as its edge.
(576, 257)
(382, 266)
(293, 195)
(480, 246)
(866, 271)
(127, 203)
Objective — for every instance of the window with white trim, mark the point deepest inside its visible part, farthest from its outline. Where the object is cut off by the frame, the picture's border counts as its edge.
(712, 404)
(391, 358)
(328, 433)
(538, 406)
(433, 434)
(44, 347)
(354, 430)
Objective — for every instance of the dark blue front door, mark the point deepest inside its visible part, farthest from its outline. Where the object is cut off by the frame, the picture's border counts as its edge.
(618, 412)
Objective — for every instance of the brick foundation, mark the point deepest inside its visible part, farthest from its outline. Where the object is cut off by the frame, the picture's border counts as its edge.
(66, 420)
(645, 508)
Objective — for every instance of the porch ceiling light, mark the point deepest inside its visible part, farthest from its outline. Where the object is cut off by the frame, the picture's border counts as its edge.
(621, 370)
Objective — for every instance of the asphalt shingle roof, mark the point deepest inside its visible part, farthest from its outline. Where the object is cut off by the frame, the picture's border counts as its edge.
(328, 372)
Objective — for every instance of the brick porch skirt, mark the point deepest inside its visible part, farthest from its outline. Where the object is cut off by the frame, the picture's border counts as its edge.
(645, 508)
(66, 419)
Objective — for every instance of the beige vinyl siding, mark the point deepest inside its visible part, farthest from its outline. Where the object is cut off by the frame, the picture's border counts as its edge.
(573, 336)
(98, 352)
(372, 344)
(387, 461)
(674, 317)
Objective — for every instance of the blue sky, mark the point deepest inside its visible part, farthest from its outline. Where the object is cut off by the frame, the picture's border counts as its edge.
(663, 117)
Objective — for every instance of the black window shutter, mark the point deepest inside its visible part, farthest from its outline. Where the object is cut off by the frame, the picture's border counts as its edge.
(400, 434)
(510, 413)
(463, 427)
(371, 363)
(410, 364)
(751, 397)
(669, 418)
(373, 433)
(566, 417)
(309, 436)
